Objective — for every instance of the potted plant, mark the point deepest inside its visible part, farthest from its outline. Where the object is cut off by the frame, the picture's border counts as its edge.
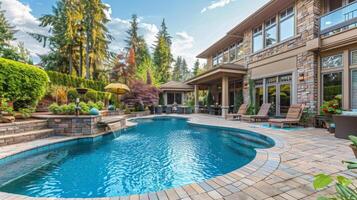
(329, 108)
(354, 144)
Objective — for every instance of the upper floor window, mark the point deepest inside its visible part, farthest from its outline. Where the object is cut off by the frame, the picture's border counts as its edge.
(271, 36)
(273, 30)
(333, 61)
(287, 24)
(354, 57)
(257, 39)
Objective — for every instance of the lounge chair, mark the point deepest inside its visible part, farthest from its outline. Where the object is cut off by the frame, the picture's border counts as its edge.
(261, 116)
(293, 117)
(242, 111)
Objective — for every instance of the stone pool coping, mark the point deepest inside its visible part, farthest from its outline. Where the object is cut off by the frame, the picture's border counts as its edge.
(265, 164)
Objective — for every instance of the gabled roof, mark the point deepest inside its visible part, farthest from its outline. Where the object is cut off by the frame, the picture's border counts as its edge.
(176, 86)
(255, 19)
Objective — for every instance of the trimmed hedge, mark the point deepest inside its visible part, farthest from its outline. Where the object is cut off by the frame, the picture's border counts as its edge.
(22, 83)
(72, 81)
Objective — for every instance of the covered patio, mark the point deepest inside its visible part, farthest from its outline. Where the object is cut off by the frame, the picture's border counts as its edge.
(223, 82)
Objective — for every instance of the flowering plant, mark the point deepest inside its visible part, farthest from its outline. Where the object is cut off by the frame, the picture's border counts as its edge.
(333, 106)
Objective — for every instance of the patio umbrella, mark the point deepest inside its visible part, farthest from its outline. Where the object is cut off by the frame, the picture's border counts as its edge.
(117, 88)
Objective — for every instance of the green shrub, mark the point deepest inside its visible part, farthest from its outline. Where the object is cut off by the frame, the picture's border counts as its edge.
(21, 83)
(72, 81)
(91, 95)
(84, 108)
(5, 107)
(26, 112)
(91, 105)
(72, 95)
(100, 105)
(54, 108)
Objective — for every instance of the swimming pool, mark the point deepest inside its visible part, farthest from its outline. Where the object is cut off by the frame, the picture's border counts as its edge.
(159, 153)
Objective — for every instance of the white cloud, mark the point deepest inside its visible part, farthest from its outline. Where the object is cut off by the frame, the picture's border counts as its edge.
(118, 27)
(108, 11)
(19, 15)
(216, 4)
(182, 46)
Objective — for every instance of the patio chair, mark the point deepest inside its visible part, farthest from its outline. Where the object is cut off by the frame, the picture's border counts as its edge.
(242, 111)
(261, 116)
(293, 117)
(168, 109)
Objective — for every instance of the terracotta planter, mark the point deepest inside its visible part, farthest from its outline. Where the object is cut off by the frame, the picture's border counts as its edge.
(354, 149)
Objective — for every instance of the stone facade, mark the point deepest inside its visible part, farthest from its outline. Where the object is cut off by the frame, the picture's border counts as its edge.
(307, 14)
(75, 126)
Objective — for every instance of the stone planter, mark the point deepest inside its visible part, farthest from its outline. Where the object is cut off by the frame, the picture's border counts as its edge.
(354, 149)
(70, 125)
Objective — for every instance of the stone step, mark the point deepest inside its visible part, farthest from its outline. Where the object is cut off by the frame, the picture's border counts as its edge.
(20, 127)
(25, 136)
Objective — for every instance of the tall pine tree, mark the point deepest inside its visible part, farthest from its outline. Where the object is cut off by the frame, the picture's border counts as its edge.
(176, 73)
(6, 36)
(196, 68)
(137, 43)
(185, 72)
(162, 55)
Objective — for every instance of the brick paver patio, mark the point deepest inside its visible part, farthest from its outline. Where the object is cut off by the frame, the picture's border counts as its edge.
(284, 172)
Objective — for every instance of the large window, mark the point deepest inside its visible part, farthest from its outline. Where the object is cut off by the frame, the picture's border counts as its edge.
(228, 55)
(287, 24)
(331, 85)
(277, 91)
(257, 39)
(270, 32)
(174, 97)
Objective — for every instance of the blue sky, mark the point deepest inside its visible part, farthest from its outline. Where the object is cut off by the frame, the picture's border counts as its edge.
(193, 24)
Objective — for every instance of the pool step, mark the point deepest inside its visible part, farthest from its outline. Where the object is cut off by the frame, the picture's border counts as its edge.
(25, 136)
(24, 126)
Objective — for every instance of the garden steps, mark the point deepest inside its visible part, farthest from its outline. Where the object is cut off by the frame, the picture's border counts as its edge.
(24, 126)
(25, 136)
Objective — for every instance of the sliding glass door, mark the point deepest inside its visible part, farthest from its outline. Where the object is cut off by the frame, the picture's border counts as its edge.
(285, 98)
(278, 94)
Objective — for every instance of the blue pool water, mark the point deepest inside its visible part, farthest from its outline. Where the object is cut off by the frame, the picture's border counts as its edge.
(159, 153)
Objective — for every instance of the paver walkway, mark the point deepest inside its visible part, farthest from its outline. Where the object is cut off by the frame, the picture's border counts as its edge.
(284, 172)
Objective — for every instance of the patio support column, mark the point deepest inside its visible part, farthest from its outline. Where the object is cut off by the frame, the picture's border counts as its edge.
(225, 96)
(196, 99)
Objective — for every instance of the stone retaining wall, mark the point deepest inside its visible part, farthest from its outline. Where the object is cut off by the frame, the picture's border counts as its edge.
(20, 127)
(75, 126)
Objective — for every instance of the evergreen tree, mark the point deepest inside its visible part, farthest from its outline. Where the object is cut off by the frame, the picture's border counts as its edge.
(6, 36)
(164, 33)
(196, 68)
(162, 55)
(77, 31)
(24, 54)
(132, 40)
(137, 42)
(97, 36)
(185, 72)
(6, 30)
(177, 73)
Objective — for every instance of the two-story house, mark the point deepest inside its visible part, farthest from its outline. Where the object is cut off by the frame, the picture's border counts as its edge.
(295, 51)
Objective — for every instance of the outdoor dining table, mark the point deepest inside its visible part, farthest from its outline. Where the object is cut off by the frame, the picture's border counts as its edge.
(183, 109)
(216, 109)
